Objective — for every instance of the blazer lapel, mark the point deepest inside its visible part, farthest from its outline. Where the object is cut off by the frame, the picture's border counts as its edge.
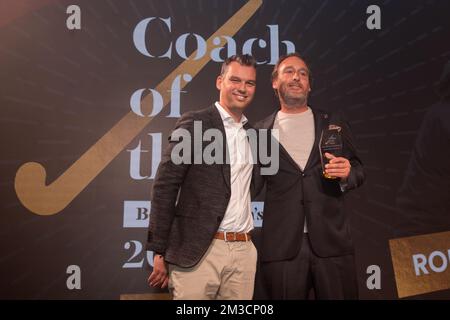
(216, 121)
(320, 120)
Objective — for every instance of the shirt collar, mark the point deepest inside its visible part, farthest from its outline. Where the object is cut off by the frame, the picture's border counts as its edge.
(226, 117)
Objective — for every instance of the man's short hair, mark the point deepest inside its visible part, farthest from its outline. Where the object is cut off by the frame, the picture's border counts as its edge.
(242, 59)
(284, 57)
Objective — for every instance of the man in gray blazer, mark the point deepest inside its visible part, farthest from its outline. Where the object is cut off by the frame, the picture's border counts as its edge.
(200, 214)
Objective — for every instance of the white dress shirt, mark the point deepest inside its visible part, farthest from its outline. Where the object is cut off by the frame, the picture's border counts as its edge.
(238, 217)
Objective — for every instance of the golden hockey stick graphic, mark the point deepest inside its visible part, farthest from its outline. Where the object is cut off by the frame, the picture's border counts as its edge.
(30, 182)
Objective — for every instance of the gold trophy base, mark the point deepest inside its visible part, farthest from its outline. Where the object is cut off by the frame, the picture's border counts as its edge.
(328, 176)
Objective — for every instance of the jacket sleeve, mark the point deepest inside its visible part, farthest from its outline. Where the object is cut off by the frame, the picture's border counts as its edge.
(357, 176)
(168, 180)
(263, 148)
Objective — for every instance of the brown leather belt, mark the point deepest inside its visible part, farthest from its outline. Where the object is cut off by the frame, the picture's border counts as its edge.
(233, 236)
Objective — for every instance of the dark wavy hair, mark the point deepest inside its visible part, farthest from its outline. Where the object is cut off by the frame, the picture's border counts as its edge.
(284, 57)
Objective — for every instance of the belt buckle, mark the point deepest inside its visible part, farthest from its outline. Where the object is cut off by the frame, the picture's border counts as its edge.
(226, 238)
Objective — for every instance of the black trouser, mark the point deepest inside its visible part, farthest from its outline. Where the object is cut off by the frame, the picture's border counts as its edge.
(331, 278)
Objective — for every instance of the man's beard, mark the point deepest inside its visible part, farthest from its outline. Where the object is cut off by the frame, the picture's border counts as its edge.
(292, 101)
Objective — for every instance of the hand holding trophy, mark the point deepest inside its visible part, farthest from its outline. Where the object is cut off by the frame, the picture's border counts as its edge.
(330, 142)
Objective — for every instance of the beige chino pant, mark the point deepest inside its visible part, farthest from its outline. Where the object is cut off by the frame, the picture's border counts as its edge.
(226, 272)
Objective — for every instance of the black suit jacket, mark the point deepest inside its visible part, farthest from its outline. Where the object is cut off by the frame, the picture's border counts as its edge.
(293, 194)
(189, 200)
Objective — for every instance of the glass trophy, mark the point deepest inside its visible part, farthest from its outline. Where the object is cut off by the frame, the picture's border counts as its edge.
(331, 142)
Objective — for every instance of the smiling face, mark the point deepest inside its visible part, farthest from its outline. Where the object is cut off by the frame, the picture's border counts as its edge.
(237, 87)
(292, 83)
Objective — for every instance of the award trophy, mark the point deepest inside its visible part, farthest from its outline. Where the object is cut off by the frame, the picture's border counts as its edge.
(331, 142)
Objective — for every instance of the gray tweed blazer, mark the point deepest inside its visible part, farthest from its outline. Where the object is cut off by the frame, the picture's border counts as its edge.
(189, 201)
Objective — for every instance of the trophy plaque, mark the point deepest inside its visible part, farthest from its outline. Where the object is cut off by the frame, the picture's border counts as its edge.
(331, 142)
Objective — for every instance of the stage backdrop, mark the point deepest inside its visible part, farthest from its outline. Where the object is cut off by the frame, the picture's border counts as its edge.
(90, 90)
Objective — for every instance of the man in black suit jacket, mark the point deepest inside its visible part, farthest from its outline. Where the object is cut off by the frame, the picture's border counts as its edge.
(200, 211)
(305, 238)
